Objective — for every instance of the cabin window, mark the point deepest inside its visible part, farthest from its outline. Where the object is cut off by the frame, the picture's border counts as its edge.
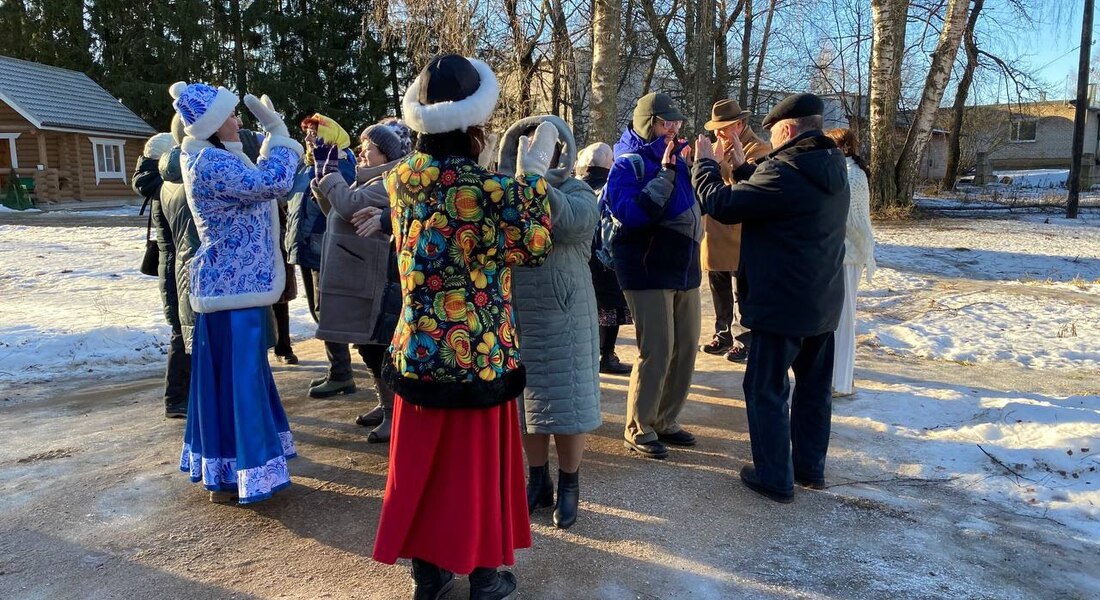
(1023, 130)
(8, 158)
(109, 159)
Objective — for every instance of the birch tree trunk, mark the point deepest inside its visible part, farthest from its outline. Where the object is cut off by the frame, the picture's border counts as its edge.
(606, 39)
(888, 19)
(912, 152)
(760, 60)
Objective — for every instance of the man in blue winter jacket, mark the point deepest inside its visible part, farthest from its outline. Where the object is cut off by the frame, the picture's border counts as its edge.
(656, 257)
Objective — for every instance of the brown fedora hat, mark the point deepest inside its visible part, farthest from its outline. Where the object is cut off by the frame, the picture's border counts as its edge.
(725, 112)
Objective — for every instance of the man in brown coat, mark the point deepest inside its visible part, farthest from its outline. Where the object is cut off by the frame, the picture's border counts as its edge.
(721, 249)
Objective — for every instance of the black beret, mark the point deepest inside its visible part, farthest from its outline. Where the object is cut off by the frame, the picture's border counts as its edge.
(793, 107)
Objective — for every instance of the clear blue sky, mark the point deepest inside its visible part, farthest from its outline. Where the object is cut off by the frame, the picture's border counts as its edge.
(1052, 47)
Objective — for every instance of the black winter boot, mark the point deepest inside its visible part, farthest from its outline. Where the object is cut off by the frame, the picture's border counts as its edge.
(373, 417)
(381, 434)
(491, 584)
(569, 494)
(431, 581)
(540, 490)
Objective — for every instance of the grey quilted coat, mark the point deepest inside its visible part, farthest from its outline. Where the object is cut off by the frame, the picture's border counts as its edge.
(555, 304)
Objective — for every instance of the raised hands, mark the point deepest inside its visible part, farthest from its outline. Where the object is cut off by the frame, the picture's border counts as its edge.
(734, 151)
(265, 113)
(536, 152)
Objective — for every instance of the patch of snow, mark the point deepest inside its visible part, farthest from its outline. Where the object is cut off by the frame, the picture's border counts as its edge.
(1034, 178)
(74, 303)
(976, 291)
(1036, 454)
(118, 211)
(5, 209)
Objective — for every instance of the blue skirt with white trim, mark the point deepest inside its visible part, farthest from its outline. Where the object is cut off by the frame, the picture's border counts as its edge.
(237, 437)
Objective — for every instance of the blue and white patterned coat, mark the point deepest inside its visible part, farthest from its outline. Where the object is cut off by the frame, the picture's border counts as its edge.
(239, 264)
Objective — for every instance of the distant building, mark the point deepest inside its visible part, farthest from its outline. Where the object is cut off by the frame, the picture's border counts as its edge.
(1029, 135)
(65, 135)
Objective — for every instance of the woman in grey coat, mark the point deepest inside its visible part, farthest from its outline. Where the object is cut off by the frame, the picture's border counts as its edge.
(556, 325)
(360, 295)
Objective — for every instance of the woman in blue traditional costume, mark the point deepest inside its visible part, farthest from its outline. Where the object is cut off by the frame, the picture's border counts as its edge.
(237, 440)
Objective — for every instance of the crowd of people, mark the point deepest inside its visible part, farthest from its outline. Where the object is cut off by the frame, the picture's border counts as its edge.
(438, 256)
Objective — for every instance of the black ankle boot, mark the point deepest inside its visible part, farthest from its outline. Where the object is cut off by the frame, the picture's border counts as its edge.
(431, 581)
(490, 584)
(540, 490)
(569, 494)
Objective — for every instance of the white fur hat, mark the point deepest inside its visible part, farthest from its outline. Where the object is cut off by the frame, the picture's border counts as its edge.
(203, 108)
(452, 93)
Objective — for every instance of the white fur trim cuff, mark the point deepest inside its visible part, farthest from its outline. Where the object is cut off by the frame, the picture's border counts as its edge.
(276, 141)
(219, 110)
(442, 117)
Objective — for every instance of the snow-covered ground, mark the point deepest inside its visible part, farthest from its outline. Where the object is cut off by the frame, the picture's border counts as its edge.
(74, 302)
(966, 290)
(1012, 293)
(1034, 178)
(1003, 292)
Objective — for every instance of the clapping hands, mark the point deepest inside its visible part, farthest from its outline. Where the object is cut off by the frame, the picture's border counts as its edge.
(367, 221)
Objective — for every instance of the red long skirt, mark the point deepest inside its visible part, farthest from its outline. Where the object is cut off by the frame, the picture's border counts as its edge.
(455, 494)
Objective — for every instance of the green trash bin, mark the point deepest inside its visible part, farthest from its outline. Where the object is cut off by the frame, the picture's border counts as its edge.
(16, 195)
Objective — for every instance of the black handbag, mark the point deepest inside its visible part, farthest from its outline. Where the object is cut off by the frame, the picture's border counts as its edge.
(150, 263)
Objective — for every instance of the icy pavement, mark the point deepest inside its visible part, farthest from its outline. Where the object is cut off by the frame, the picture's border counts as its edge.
(1012, 296)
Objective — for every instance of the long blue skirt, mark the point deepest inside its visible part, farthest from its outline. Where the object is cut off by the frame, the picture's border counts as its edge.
(237, 437)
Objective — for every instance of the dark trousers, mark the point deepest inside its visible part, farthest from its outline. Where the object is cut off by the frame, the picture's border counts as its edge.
(727, 321)
(282, 329)
(608, 335)
(789, 439)
(177, 374)
(309, 283)
(339, 359)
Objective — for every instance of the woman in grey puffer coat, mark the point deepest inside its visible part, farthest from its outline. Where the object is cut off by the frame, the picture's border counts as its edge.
(556, 324)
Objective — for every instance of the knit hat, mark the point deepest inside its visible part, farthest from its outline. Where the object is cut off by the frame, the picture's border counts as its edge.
(452, 93)
(649, 108)
(596, 155)
(203, 108)
(386, 140)
(403, 133)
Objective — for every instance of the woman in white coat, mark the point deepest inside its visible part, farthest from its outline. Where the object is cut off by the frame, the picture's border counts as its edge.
(859, 254)
(237, 440)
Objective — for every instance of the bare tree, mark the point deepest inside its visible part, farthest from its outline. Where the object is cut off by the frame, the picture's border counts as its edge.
(606, 37)
(894, 172)
(888, 19)
(958, 109)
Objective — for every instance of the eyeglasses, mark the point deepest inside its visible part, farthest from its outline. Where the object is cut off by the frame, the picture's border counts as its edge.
(670, 124)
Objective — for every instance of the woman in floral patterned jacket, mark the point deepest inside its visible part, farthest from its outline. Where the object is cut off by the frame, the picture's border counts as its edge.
(237, 439)
(455, 361)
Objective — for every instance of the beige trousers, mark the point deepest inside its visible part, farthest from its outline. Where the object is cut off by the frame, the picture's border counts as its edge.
(667, 323)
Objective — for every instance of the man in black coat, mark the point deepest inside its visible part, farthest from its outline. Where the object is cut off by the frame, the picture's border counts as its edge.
(792, 207)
